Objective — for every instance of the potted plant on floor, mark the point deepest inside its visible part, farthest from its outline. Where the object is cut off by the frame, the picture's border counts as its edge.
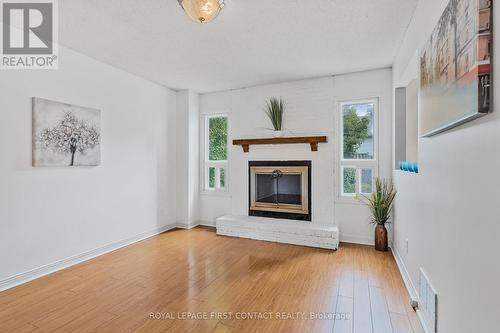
(275, 109)
(380, 203)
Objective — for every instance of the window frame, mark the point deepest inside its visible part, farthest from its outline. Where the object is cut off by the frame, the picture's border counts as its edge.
(358, 164)
(374, 101)
(207, 163)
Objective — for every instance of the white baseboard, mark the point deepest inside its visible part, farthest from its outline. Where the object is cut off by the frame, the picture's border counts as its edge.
(36, 273)
(410, 287)
(186, 226)
(412, 291)
(207, 223)
(195, 224)
(354, 239)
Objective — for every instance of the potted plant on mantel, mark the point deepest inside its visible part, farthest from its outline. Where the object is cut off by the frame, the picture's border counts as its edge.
(275, 109)
(381, 203)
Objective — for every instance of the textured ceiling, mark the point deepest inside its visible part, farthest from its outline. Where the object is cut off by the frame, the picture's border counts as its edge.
(252, 41)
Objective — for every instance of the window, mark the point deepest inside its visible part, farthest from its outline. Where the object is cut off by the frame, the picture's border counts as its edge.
(348, 180)
(215, 169)
(365, 181)
(358, 162)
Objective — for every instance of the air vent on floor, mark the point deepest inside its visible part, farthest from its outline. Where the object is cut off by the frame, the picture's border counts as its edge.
(427, 302)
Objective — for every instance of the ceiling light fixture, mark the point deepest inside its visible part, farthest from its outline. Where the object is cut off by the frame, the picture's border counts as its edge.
(202, 11)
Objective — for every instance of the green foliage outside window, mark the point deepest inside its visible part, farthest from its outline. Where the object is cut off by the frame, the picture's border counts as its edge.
(217, 139)
(349, 180)
(355, 132)
(211, 177)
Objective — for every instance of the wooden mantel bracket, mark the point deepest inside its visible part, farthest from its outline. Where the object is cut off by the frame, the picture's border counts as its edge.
(311, 140)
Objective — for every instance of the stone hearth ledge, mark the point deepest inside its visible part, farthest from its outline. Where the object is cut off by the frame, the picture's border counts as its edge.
(279, 230)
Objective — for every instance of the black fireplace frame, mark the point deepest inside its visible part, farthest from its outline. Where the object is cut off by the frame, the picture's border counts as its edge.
(280, 215)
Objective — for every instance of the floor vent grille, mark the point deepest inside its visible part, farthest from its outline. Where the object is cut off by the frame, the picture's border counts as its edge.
(428, 301)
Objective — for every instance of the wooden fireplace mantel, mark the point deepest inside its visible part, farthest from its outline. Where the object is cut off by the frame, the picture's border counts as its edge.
(312, 140)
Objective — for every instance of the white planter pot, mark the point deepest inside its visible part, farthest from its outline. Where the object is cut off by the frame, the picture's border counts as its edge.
(278, 134)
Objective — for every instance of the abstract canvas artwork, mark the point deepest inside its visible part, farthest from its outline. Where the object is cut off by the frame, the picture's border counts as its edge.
(455, 67)
(65, 134)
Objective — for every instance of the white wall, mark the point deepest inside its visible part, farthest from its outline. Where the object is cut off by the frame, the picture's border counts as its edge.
(450, 212)
(312, 106)
(187, 175)
(50, 214)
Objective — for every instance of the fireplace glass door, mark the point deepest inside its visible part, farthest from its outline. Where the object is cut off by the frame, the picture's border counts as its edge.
(279, 189)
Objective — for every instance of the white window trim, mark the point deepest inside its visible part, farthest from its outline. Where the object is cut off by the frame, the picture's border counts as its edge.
(206, 163)
(358, 164)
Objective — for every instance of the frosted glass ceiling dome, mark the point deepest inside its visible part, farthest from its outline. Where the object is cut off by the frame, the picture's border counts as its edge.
(202, 11)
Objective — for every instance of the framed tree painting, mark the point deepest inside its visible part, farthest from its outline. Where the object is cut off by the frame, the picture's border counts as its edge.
(65, 134)
(455, 67)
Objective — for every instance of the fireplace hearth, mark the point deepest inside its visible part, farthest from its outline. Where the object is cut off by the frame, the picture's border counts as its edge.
(280, 189)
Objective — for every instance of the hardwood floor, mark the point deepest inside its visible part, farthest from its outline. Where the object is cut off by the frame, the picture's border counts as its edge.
(180, 274)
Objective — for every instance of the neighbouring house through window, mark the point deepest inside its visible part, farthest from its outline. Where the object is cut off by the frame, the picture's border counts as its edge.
(358, 160)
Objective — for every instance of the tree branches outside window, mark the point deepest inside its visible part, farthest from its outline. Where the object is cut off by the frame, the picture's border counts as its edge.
(355, 132)
(217, 127)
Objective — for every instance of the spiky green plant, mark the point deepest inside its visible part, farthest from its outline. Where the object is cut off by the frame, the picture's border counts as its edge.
(275, 109)
(381, 201)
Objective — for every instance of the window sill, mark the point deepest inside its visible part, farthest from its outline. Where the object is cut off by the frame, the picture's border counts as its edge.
(225, 193)
(349, 201)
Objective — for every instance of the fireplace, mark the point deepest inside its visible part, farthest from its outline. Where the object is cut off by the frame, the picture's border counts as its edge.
(280, 189)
